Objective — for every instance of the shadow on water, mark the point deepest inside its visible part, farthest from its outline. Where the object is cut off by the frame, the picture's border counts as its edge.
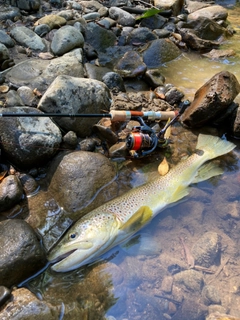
(136, 281)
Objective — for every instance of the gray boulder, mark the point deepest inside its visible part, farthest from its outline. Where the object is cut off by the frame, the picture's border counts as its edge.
(66, 39)
(28, 141)
(159, 52)
(21, 254)
(74, 96)
(28, 38)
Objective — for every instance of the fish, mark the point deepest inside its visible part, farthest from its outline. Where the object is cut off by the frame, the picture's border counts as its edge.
(119, 219)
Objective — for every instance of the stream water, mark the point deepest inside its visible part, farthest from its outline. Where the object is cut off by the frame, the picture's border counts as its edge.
(129, 284)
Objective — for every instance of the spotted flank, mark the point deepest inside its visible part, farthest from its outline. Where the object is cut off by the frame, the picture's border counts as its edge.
(119, 219)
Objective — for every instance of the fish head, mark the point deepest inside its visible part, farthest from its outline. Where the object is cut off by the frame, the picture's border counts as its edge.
(87, 239)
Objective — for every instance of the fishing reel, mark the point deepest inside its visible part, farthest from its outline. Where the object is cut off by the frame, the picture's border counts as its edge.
(143, 139)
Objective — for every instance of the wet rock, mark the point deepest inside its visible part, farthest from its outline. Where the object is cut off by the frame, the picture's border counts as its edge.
(4, 53)
(175, 5)
(21, 254)
(66, 39)
(212, 99)
(203, 28)
(40, 73)
(174, 96)
(19, 139)
(27, 5)
(190, 279)
(140, 36)
(114, 81)
(154, 22)
(218, 54)
(191, 309)
(30, 185)
(52, 20)
(206, 250)
(78, 177)
(220, 316)
(159, 52)
(28, 38)
(214, 12)
(123, 17)
(154, 78)
(11, 192)
(8, 12)
(167, 284)
(235, 129)
(210, 295)
(91, 5)
(27, 96)
(25, 305)
(6, 40)
(41, 30)
(195, 43)
(5, 295)
(76, 95)
(193, 6)
(91, 16)
(130, 65)
(103, 40)
(13, 99)
(95, 72)
(70, 140)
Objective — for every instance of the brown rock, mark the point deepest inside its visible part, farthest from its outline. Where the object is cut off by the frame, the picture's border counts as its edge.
(212, 99)
(25, 305)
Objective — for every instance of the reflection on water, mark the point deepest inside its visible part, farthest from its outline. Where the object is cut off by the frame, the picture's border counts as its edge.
(138, 281)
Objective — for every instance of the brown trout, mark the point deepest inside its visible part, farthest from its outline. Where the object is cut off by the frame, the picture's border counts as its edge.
(117, 220)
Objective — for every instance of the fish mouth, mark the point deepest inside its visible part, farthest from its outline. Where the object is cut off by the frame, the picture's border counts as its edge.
(61, 256)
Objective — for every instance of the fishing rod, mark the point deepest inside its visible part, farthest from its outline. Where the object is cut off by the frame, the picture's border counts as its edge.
(114, 115)
(142, 140)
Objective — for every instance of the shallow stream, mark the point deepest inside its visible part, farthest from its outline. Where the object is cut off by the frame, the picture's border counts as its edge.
(128, 285)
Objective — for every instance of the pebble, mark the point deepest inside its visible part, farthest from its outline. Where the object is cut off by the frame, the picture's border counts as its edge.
(5, 295)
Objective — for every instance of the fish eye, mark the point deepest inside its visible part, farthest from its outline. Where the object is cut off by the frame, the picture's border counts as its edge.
(72, 236)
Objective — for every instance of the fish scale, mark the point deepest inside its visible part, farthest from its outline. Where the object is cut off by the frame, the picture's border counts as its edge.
(120, 218)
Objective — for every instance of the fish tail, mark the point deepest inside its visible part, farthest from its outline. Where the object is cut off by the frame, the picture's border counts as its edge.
(214, 146)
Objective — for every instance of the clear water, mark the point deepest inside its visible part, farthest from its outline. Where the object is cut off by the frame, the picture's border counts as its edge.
(128, 284)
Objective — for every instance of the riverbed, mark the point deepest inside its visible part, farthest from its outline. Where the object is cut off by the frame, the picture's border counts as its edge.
(127, 283)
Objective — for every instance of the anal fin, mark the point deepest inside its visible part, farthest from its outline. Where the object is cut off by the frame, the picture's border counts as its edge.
(207, 171)
(180, 193)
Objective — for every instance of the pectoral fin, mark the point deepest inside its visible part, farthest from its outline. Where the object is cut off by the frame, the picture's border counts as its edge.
(138, 220)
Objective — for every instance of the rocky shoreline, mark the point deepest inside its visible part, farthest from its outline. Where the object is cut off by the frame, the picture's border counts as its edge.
(91, 57)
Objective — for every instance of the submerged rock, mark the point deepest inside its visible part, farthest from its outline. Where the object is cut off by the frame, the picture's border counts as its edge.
(206, 251)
